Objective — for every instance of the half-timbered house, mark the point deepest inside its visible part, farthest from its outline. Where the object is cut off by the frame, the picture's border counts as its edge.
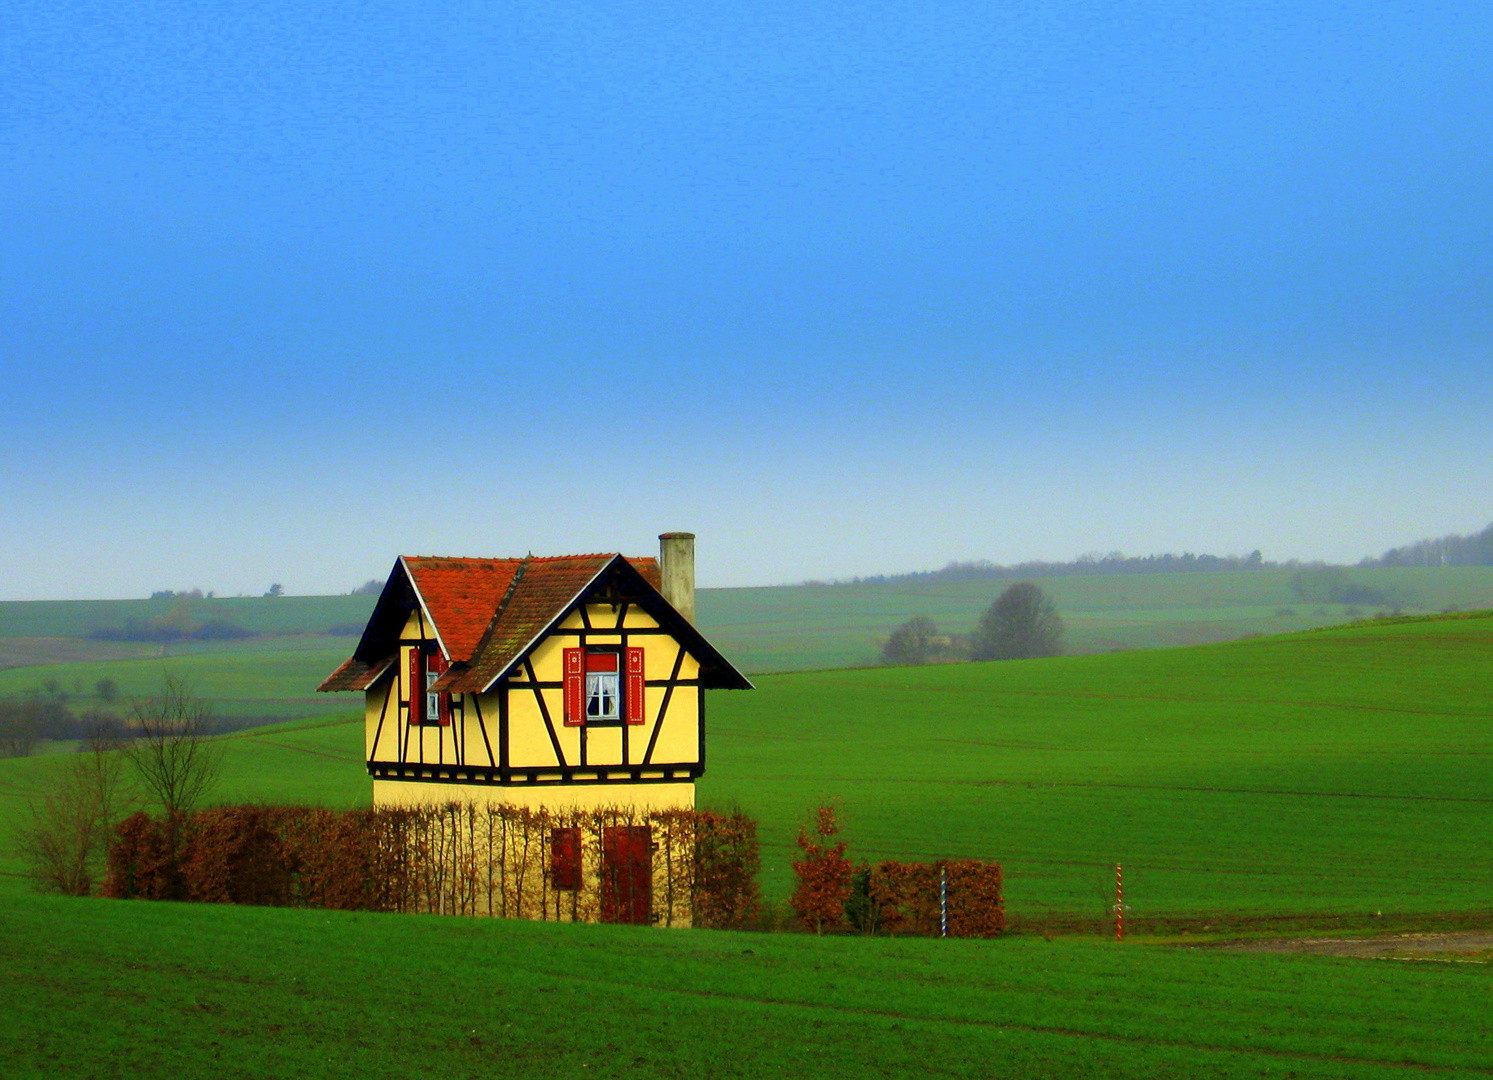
(576, 680)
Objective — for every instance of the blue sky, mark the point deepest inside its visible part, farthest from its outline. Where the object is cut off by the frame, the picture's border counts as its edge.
(287, 290)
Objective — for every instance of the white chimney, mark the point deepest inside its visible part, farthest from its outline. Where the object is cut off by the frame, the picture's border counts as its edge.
(676, 568)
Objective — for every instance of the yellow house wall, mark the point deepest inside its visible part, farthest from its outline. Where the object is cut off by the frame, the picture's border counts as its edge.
(534, 796)
(529, 744)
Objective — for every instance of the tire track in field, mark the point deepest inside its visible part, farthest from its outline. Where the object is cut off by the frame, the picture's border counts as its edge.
(1037, 1029)
(990, 692)
(308, 750)
(1161, 787)
(1094, 784)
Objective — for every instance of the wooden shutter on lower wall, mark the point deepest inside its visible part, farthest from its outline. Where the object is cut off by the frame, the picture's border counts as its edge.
(416, 686)
(635, 685)
(565, 858)
(575, 687)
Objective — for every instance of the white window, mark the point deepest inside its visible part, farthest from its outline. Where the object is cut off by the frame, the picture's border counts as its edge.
(432, 701)
(603, 689)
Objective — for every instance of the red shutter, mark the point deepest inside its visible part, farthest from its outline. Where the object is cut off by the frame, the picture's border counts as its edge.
(417, 687)
(635, 686)
(575, 687)
(565, 858)
(436, 664)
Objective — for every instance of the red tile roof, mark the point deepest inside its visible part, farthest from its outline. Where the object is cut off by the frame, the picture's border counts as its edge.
(487, 612)
(462, 596)
(356, 675)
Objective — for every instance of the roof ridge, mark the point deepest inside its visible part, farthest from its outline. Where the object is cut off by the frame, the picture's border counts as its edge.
(518, 575)
(528, 558)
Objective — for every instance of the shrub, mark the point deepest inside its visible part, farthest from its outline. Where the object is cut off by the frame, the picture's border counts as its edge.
(823, 875)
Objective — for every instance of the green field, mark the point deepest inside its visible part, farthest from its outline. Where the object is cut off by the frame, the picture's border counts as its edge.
(145, 990)
(1343, 771)
(1326, 774)
(1332, 778)
(784, 628)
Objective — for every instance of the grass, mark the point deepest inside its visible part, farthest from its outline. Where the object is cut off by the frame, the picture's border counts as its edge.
(140, 990)
(1339, 771)
(833, 626)
(1306, 780)
(260, 677)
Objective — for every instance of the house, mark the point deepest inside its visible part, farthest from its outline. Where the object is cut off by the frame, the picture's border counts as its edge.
(574, 680)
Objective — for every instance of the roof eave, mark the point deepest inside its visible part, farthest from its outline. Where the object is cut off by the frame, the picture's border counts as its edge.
(424, 608)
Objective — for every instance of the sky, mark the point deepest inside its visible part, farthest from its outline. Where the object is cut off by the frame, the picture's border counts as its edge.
(288, 290)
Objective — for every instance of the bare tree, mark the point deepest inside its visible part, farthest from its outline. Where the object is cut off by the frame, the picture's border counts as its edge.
(1022, 623)
(64, 834)
(172, 750)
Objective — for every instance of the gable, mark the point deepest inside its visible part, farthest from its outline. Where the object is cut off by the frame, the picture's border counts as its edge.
(546, 595)
(486, 614)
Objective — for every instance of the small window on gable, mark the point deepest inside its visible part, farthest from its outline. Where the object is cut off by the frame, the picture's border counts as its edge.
(427, 706)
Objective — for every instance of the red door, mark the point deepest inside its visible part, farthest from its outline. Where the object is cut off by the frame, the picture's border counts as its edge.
(626, 874)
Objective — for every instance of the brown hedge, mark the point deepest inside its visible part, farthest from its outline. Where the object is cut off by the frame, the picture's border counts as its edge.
(905, 898)
(460, 859)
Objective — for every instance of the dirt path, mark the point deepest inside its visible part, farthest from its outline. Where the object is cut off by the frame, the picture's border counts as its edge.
(1471, 946)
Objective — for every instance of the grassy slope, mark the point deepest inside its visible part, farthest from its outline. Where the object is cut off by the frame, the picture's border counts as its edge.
(1338, 771)
(275, 676)
(1056, 766)
(261, 615)
(106, 989)
(824, 626)
(788, 628)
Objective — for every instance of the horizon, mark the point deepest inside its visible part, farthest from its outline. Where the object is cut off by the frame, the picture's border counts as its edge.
(977, 565)
(839, 290)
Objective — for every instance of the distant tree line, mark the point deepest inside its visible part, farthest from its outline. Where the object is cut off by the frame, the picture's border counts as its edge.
(154, 630)
(178, 624)
(1113, 563)
(1333, 585)
(51, 713)
(1473, 550)
(1021, 624)
(44, 712)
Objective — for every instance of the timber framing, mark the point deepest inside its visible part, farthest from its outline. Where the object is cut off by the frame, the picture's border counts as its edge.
(484, 639)
(536, 775)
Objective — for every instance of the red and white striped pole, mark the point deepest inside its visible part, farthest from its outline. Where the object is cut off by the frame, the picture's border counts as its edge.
(1119, 904)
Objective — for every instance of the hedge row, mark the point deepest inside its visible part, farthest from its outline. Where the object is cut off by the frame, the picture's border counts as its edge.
(960, 897)
(459, 859)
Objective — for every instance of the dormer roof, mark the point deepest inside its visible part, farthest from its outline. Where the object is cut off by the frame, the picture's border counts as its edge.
(487, 614)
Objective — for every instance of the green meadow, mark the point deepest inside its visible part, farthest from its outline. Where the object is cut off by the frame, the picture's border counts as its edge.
(1339, 774)
(1334, 779)
(781, 628)
(145, 990)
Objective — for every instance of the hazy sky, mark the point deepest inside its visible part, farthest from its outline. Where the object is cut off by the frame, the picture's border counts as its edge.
(289, 289)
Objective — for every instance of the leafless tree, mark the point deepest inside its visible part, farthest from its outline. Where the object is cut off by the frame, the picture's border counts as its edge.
(64, 833)
(172, 750)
